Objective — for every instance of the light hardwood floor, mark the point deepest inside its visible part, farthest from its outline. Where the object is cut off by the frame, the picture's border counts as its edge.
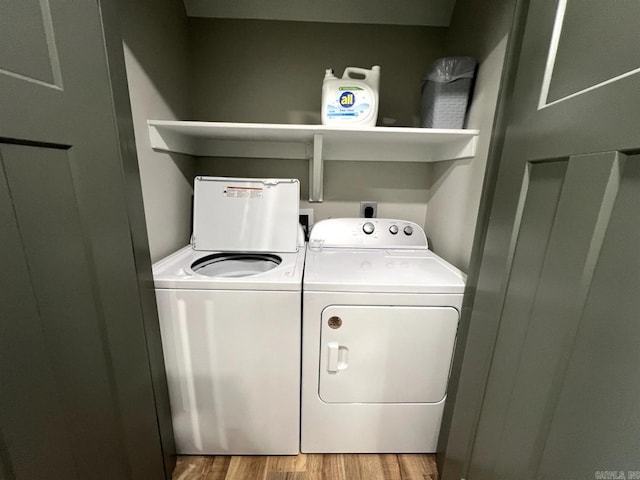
(307, 467)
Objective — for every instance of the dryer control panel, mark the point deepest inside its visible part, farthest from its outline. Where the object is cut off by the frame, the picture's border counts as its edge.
(367, 233)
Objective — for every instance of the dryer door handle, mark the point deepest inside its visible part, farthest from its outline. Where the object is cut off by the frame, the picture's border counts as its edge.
(332, 359)
(337, 358)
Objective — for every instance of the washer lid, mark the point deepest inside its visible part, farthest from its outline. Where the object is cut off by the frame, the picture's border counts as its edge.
(245, 215)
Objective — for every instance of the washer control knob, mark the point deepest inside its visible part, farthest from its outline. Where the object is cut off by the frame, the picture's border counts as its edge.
(408, 230)
(393, 229)
(368, 228)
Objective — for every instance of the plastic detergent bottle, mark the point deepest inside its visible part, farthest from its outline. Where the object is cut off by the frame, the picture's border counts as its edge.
(350, 101)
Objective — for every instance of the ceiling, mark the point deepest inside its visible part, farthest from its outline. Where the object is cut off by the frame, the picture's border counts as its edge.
(389, 12)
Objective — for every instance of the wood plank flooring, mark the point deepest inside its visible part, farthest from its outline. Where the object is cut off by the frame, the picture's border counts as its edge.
(307, 467)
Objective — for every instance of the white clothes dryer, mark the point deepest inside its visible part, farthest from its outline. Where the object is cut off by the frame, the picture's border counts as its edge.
(380, 315)
(229, 308)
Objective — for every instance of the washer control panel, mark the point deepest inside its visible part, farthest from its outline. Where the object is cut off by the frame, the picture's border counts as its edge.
(367, 233)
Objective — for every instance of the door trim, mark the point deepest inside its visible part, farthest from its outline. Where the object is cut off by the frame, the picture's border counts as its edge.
(468, 379)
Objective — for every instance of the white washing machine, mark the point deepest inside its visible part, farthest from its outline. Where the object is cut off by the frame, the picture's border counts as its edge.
(229, 308)
(380, 315)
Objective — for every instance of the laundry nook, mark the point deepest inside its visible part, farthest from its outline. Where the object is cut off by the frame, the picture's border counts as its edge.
(319, 239)
(316, 306)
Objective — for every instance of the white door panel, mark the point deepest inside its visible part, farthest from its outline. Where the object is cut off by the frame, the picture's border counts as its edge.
(386, 354)
(233, 368)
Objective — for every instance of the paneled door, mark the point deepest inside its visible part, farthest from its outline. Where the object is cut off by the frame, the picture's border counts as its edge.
(549, 380)
(82, 387)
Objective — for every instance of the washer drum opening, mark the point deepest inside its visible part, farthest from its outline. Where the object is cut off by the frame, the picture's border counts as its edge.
(235, 265)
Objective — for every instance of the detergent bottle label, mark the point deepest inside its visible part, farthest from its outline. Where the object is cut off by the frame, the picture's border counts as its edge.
(349, 102)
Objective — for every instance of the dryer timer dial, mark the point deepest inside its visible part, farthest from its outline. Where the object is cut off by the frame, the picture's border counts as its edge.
(368, 228)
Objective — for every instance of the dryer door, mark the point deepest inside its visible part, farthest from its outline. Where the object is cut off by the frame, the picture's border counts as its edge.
(386, 354)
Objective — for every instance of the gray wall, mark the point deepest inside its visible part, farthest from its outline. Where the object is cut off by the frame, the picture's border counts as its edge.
(156, 55)
(399, 188)
(272, 71)
(479, 31)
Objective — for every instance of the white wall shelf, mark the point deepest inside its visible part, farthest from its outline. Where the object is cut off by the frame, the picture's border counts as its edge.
(315, 143)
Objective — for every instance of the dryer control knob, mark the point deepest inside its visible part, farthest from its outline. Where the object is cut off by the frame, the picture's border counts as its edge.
(408, 230)
(368, 228)
(393, 229)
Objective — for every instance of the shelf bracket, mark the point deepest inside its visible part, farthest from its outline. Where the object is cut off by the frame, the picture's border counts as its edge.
(316, 167)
